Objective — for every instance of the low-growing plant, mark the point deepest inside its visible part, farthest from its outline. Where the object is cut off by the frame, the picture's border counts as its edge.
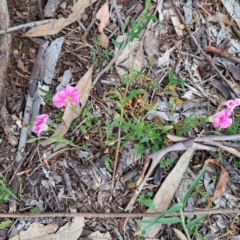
(166, 163)
(146, 199)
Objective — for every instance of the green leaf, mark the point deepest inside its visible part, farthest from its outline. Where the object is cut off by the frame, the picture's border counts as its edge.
(132, 95)
(170, 220)
(107, 162)
(117, 44)
(5, 224)
(145, 199)
(31, 140)
(195, 221)
(35, 210)
(195, 182)
(176, 207)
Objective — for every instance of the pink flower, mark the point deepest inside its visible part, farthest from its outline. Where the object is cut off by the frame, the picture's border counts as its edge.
(221, 119)
(69, 95)
(40, 124)
(231, 104)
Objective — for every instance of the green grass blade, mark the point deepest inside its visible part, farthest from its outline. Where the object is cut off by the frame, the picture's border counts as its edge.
(195, 182)
(195, 221)
(170, 220)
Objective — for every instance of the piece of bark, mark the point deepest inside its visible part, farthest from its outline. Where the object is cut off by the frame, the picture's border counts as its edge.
(51, 7)
(24, 131)
(5, 45)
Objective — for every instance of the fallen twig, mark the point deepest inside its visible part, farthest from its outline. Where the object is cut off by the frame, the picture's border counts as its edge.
(24, 131)
(93, 19)
(207, 57)
(31, 25)
(223, 53)
(118, 14)
(118, 215)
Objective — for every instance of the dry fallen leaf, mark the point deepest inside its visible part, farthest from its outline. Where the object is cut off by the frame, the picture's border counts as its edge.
(222, 182)
(84, 86)
(103, 16)
(99, 236)
(180, 234)
(164, 196)
(132, 55)
(56, 26)
(151, 46)
(38, 231)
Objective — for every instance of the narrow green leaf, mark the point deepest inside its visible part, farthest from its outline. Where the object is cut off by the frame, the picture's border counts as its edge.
(31, 140)
(196, 220)
(170, 220)
(194, 184)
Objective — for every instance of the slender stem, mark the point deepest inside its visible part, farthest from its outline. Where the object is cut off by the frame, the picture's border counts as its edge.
(183, 223)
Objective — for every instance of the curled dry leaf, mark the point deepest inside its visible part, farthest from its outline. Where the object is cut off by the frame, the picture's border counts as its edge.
(84, 86)
(103, 16)
(222, 182)
(56, 26)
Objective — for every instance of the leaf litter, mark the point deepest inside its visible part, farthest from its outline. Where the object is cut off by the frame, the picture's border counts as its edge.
(73, 177)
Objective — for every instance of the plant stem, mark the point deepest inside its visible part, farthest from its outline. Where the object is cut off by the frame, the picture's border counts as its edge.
(183, 223)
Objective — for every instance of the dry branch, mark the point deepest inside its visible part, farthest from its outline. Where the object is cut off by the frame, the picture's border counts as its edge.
(31, 25)
(24, 131)
(118, 215)
(223, 53)
(5, 45)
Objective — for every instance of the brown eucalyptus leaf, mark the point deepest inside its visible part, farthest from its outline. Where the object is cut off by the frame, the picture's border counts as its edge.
(222, 182)
(84, 87)
(103, 16)
(56, 26)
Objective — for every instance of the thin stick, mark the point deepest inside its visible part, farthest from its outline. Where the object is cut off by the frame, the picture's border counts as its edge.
(93, 19)
(31, 25)
(208, 58)
(118, 14)
(118, 215)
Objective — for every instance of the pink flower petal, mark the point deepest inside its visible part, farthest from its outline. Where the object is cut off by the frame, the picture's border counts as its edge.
(221, 119)
(69, 95)
(40, 124)
(231, 104)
